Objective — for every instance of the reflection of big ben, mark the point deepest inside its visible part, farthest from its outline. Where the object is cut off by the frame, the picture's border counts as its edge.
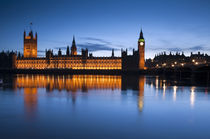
(141, 93)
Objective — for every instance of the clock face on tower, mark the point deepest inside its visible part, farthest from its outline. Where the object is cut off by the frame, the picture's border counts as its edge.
(141, 43)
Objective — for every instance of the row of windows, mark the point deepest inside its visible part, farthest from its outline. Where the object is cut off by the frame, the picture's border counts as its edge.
(70, 62)
(69, 66)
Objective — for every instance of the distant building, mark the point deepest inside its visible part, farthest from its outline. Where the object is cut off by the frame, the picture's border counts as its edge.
(7, 60)
(73, 60)
(170, 60)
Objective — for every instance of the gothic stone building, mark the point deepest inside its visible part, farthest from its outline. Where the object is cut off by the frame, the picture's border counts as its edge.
(73, 60)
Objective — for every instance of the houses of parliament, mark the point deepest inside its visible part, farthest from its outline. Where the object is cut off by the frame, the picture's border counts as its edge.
(75, 61)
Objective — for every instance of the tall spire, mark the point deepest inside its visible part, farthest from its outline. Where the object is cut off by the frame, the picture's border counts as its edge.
(31, 26)
(73, 42)
(141, 35)
(112, 52)
(73, 47)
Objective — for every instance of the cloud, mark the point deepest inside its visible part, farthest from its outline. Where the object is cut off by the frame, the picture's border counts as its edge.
(178, 49)
(97, 40)
(97, 44)
(174, 49)
(196, 48)
(94, 46)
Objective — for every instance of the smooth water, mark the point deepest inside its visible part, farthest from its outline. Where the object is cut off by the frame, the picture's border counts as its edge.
(102, 106)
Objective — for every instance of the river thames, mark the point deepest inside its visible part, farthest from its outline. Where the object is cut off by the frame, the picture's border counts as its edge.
(103, 106)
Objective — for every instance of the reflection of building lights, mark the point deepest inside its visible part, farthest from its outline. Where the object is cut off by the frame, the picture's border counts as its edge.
(174, 94)
(151, 85)
(164, 90)
(192, 97)
(75, 82)
(156, 82)
(141, 103)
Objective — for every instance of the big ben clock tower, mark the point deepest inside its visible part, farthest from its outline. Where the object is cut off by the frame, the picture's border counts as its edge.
(141, 49)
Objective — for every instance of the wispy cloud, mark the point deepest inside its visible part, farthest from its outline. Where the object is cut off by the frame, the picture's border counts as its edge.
(197, 48)
(178, 49)
(94, 46)
(97, 44)
(97, 40)
(174, 49)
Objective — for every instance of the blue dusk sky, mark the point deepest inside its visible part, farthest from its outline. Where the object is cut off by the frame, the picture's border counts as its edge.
(100, 25)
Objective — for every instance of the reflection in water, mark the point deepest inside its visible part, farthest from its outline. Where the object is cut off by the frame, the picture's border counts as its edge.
(74, 83)
(30, 100)
(84, 83)
(88, 104)
(69, 82)
(192, 96)
(174, 94)
(141, 92)
(156, 82)
(166, 86)
(164, 90)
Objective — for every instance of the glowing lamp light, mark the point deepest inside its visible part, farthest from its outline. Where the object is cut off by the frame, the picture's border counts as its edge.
(193, 60)
(196, 63)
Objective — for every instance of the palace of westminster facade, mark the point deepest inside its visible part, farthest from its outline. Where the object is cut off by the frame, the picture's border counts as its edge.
(73, 60)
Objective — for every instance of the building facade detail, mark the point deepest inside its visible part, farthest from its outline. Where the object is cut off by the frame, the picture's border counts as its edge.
(30, 45)
(73, 60)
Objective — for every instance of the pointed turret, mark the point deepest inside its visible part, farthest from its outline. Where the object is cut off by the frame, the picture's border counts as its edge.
(31, 34)
(59, 52)
(67, 51)
(73, 47)
(73, 42)
(141, 35)
(112, 52)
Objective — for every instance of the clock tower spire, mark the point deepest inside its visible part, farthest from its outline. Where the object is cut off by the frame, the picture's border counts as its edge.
(141, 50)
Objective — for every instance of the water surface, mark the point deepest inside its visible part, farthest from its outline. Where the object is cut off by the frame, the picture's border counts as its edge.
(103, 106)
